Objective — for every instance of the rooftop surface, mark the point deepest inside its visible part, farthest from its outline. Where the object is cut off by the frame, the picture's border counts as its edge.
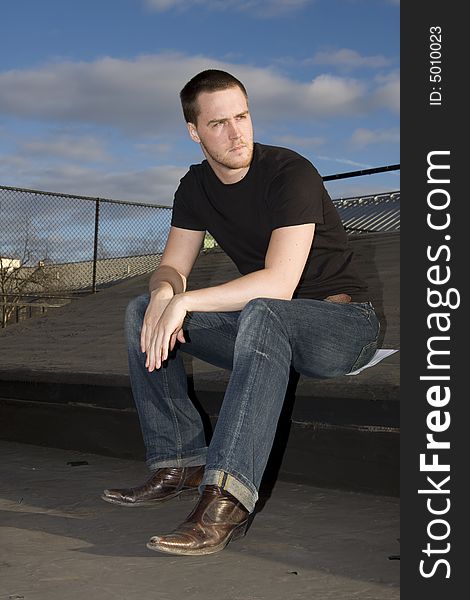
(86, 337)
(60, 541)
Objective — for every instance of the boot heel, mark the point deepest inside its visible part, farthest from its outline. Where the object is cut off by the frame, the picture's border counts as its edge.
(240, 531)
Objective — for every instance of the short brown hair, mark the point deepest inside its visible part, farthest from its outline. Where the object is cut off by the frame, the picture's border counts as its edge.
(211, 80)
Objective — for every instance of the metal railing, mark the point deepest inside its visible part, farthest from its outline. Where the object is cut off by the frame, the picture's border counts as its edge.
(54, 247)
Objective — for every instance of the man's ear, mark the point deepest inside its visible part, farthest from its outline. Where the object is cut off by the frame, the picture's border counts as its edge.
(193, 133)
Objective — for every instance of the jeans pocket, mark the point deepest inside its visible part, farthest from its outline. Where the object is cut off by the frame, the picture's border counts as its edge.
(365, 356)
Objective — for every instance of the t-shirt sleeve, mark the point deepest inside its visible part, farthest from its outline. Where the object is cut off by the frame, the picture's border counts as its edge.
(184, 212)
(295, 196)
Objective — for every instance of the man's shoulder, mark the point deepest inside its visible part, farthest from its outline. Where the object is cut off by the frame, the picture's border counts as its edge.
(279, 159)
(196, 169)
(280, 156)
(193, 174)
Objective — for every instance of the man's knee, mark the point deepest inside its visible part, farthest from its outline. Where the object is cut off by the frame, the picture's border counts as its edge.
(258, 310)
(261, 305)
(261, 329)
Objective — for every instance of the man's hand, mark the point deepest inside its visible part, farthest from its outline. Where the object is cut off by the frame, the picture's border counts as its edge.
(169, 278)
(161, 334)
(159, 300)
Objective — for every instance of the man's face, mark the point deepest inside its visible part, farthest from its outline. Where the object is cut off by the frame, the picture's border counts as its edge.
(224, 129)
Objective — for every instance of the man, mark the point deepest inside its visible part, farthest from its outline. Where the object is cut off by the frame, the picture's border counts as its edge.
(298, 302)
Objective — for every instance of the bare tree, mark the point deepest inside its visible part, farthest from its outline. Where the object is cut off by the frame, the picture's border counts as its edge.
(22, 274)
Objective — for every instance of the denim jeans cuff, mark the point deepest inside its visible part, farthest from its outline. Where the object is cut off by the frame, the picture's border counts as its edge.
(192, 460)
(244, 494)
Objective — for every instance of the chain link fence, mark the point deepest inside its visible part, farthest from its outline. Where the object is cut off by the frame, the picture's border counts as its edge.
(54, 247)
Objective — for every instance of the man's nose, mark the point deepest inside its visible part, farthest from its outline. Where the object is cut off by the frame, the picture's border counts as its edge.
(233, 130)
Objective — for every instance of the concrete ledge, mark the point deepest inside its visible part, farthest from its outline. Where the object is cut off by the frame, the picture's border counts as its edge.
(341, 442)
(344, 457)
(365, 403)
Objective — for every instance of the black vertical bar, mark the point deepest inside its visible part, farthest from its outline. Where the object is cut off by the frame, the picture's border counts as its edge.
(434, 429)
(95, 244)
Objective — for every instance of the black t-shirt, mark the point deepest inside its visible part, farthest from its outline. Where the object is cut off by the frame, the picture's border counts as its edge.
(281, 188)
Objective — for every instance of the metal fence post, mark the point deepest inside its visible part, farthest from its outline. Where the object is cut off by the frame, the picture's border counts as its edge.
(95, 244)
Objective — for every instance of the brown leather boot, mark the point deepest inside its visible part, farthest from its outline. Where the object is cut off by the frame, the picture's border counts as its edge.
(217, 519)
(164, 484)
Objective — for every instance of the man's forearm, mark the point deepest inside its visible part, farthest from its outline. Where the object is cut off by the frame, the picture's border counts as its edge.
(167, 277)
(235, 294)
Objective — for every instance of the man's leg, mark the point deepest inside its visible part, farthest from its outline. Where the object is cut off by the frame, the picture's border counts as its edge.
(320, 339)
(171, 426)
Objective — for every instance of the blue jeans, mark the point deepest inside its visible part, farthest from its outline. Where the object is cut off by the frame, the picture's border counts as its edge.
(258, 345)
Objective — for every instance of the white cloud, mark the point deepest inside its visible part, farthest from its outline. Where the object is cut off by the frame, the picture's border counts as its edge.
(331, 95)
(387, 92)
(346, 58)
(139, 98)
(81, 148)
(128, 94)
(297, 141)
(155, 148)
(345, 161)
(365, 137)
(141, 95)
(155, 185)
(258, 8)
(12, 163)
(162, 5)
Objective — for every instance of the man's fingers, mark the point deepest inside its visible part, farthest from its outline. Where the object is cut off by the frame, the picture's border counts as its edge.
(142, 337)
(150, 336)
(165, 342)
(150, 357)
(157, 348)
(177, 336)
(153, 352)
(166, 345)
(159, 338)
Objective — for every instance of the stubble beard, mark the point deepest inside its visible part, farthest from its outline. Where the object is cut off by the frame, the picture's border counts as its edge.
(229, 160)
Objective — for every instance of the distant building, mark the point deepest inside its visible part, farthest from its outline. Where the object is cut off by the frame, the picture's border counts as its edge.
(8, 264)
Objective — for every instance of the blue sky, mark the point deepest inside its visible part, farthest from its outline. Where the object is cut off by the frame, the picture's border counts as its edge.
(89, 90)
